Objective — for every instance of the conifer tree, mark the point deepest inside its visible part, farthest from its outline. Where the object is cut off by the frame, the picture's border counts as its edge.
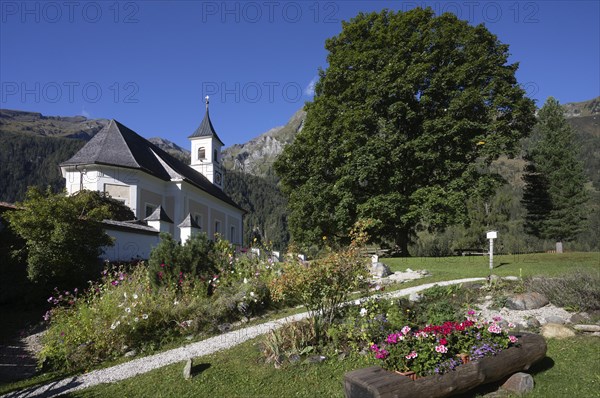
(554, 193)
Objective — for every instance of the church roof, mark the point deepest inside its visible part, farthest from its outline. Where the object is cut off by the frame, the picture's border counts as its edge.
(158, 214)
(206, 128)
(189, 221)
(117, 145)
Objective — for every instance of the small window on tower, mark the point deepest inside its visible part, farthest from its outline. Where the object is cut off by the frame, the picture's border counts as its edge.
(216, 156)
(201, 153)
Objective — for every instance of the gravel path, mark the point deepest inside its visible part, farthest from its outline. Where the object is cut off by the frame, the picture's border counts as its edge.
(201, 348)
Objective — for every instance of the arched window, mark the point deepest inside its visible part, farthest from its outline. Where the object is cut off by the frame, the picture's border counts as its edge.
(216, 156)
(201, 153)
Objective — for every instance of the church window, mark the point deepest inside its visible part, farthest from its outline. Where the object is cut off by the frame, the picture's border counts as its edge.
(149, 209)
(217, 227)
(216, 156)
(201, 153)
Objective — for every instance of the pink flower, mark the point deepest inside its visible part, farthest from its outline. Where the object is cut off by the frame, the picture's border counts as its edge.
(494, 329)
(441, 348)
(513, 339)
(382, 354)
(471, 312)
(412, 355)
(405, 330)
(497, 318)
(511, 325)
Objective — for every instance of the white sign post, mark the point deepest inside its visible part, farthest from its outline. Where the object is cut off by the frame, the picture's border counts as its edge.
(491, 235)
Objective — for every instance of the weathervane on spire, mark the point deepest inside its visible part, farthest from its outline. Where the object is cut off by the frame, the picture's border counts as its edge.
(206, 100)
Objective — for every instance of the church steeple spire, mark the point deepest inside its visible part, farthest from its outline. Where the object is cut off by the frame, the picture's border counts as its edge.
(206, 150)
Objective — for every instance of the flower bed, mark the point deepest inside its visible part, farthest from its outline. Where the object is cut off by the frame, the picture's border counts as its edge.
(437, 349)
(377, 382)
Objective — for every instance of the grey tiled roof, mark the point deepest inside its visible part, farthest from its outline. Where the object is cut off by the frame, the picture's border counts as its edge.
(129, 226)
(189, 221)
(117, 145)
(158, 214)
(206, 129)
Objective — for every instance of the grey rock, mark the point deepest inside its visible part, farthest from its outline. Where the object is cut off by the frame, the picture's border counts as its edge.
(294, 358)
(380, 270)
(130, 354)
(409, 270)
(587, 328)
(555, 319)
(316, 359)
(532, 323)
(526, 301)
(580, 317)
(224, 327)
(596, 334)
(488, 297)
(415, 297)
(342, 356)
(511, 278)
(556, 331)
(519, 384)
(187, 370)
(495, 279)
(498, 394)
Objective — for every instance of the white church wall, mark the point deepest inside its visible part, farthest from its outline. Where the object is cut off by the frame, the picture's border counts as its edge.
(129, 245)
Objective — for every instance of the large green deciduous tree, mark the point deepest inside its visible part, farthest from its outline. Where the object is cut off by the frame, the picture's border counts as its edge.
(410, 110)
(63, 234)
(554, 193)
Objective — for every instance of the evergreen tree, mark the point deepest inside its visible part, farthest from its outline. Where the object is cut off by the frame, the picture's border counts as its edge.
(409, 111)
(554, 193)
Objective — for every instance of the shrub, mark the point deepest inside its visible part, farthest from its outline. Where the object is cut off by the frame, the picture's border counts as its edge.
(169, 260)
(63, 235)
(579, 290)
(120, 313)
(293, 338)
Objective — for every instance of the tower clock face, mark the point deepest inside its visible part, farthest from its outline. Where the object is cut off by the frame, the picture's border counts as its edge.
(218, 178)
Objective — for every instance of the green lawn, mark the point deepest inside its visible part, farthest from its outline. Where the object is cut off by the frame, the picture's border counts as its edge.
(572, 368)
(446, 268)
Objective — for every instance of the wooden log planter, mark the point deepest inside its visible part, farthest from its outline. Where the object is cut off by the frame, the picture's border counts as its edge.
(375, 382)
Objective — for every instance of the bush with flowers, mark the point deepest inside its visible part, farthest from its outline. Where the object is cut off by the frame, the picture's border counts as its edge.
(436, 349)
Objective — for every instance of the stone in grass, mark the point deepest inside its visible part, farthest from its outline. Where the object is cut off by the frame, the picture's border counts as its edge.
(294, 358)
(526, 301)
(415, 297)
(380, 270)
(316, 359)
(520, 383)
(130, 354)
(187, 369)
(556, 331)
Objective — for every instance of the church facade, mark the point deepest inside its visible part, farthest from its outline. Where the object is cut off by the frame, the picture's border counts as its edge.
(168, 194)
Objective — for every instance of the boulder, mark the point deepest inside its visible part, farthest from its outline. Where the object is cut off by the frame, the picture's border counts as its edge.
(526, 301)
(555, 319)
(415, 297)
(532, 323)
(556, 331)
(380, 270)
(580, 317)
(587, 328)
(520, 383)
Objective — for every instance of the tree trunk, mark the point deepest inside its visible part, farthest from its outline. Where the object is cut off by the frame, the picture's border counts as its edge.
(559, 247)
(402, 243)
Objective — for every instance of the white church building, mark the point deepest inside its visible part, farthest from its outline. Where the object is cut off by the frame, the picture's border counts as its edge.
(165, 194)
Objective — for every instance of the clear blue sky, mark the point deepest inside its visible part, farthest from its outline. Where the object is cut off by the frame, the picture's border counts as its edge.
(149, 64)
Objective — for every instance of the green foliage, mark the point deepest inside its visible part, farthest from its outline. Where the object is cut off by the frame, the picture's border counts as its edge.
(554, 194)
(409, 108)
(323, 284)
(170, 260)
(63, 235)
(114, 316)
(266, 206)
(292, 339)
(27, 160)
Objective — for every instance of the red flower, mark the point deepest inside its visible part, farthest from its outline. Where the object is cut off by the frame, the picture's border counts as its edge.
(443, 341)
